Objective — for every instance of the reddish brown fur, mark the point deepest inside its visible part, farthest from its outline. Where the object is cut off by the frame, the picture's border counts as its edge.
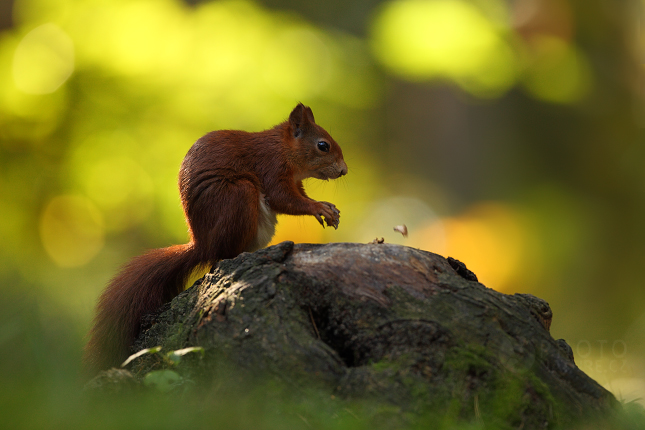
(221, 181)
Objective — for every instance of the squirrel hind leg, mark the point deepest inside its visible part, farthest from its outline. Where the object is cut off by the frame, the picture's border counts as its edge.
(228, 225)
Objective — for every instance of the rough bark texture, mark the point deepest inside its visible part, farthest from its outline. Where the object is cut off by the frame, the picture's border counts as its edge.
(383, 322)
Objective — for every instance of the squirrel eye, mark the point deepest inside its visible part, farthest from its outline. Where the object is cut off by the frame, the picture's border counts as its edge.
(323, 146)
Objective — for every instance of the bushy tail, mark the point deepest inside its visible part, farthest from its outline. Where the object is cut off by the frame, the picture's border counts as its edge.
(144, 284)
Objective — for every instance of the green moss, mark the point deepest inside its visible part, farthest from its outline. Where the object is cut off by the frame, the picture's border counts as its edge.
(405, 305)
(385, 364)
(502, 398)
(469, 359)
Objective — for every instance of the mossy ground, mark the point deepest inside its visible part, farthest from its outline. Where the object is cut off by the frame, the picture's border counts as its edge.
(41, 387)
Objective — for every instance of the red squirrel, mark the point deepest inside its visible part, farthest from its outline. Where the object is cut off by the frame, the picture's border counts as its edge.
(232, 184)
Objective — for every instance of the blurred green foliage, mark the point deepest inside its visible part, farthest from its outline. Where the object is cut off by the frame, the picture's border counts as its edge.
(506, 134)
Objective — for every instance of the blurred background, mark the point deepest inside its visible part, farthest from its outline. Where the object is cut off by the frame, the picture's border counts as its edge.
(505, 133)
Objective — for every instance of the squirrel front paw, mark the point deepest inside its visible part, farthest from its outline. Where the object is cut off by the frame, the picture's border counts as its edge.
(329, 212)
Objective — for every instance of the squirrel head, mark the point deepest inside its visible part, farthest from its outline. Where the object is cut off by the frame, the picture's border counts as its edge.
(316, 153)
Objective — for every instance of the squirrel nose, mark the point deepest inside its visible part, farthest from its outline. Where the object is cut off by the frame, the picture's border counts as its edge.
(343, 170)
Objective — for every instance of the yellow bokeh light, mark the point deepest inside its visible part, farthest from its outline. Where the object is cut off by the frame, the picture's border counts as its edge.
(490, 239)
(71, 230)
(43, 60)
(151, 35)
(424, 39)
(557, 72)
(298, 229)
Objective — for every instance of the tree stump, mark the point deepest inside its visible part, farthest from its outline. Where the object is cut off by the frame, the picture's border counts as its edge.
(380, 322)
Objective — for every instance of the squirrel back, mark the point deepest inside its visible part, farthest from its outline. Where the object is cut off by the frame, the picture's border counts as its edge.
(232, 184)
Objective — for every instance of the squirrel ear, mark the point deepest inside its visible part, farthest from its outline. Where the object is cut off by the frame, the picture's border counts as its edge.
(300, 119)
(309, 114)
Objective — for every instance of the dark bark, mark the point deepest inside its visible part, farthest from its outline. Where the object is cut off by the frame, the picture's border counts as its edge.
(381, 322)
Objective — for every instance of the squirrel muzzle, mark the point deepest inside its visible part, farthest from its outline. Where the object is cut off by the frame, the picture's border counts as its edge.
(332, 171)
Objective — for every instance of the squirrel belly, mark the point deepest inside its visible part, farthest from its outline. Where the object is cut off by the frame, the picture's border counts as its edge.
(232, 185)
(267, 221)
